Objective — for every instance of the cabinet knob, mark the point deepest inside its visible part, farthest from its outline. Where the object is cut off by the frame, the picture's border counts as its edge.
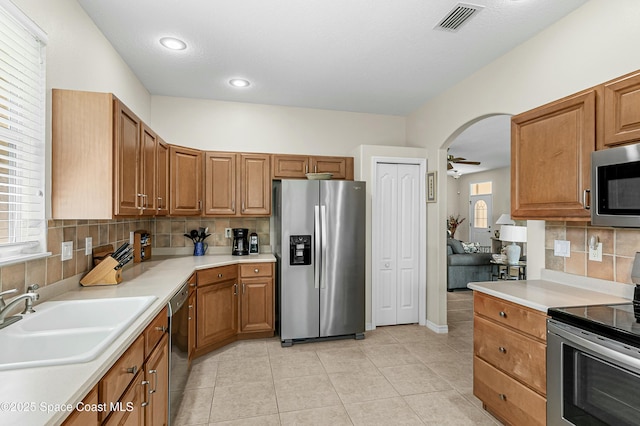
(219, 275)
(192, 285)
(132, 370)
(256, 270)
(162, 329)
(503, 314)
(503, 397)
(502, 350)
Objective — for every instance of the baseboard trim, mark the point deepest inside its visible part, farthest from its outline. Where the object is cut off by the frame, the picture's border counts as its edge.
(440, 329)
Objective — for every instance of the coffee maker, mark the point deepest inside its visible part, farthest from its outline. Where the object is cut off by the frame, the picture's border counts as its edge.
(240, 243)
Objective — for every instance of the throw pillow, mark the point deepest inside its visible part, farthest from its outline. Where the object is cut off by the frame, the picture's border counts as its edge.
(471, 247)
(456, 246)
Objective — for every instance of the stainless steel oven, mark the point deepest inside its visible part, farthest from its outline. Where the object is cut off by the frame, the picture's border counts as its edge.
(593, 378)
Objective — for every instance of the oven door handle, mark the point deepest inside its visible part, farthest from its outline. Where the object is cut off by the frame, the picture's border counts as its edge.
(595, 349)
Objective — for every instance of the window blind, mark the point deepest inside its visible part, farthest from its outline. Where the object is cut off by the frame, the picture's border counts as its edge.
(22, 147)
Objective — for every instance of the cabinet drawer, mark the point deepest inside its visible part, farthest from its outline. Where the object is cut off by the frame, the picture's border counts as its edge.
(85, 418)
(517, 355)
(154, 332)
(217, 275)
(256, 270)
(519, 317)
(506, 398)
(114, 383)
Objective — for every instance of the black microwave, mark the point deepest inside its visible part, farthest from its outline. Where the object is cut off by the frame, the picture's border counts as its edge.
(615, 187)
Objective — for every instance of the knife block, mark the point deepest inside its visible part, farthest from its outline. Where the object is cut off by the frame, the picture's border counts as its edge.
(103, 274)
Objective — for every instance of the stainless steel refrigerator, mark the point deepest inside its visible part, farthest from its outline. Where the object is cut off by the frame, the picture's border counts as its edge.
(319, 232)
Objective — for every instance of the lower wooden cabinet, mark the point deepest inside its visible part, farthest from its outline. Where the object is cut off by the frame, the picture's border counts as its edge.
(233, 302)
(135, 390)
(509, 360)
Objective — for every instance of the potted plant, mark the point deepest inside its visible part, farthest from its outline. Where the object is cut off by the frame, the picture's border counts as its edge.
(452, 224)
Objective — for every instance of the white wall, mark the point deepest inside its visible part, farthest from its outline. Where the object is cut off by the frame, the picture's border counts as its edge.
(234, 126)
(595, 43)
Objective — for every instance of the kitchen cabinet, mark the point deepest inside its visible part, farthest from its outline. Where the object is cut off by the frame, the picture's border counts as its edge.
(233, 302)
(286, 166)
(551, 159)
(237, 184)
(162, 178)
(217, 306)
(156, 373)
(88, 417)
(256, 301)
(621, 111)
(509, 359)
(103, 157)
(185, 181)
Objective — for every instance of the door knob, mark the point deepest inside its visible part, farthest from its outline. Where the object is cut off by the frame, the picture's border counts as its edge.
(386, 265)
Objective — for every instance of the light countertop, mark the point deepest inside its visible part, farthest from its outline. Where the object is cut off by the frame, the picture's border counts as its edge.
(39, 396)
(542, 295)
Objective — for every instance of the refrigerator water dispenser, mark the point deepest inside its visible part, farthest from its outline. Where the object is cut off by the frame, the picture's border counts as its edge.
(300, 250)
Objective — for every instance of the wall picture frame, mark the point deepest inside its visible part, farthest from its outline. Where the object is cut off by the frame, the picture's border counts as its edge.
(432, 187)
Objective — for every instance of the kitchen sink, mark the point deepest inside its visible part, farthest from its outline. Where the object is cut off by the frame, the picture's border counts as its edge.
(67, 332)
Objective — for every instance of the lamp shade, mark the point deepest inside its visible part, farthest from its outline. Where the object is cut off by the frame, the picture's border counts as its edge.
(516, 234)
(505, 219)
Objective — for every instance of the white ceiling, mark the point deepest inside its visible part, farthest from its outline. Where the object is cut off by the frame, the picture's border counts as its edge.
(370, 56)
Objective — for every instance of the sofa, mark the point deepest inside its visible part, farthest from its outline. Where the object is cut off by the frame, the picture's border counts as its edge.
(463, 267)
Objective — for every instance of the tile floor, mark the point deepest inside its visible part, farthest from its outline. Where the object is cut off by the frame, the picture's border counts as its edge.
(396, 375)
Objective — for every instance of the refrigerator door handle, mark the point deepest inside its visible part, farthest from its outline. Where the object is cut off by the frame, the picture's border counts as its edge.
(323, 242)
(316, 237)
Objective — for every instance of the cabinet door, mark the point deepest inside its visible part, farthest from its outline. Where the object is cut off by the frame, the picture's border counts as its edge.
(128, 411)
(551, 159)
(186, 181)
(220, 184)
(340, 167)
(622, 110)
(127, 161)
(217, 313)
(148, 172)
(255, 185)
(162, 186)
(157, 375)
(289, 166)
(256, 307)
(85, 418)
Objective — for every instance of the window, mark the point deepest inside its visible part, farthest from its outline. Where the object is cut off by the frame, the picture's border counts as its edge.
(23, 227)
(480, 219)
(481, 188)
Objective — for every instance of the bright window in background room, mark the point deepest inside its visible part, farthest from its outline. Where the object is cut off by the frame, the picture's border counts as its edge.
(480, 219)
(481, 188)
(23, 226)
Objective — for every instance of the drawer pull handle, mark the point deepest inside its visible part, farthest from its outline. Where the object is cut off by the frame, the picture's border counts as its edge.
(132, 370)
(256, 270)
(192, 285)
(145, 383)
(162, 329)
(502, 350)
(503, 314)
(155, 382)
(503, 397)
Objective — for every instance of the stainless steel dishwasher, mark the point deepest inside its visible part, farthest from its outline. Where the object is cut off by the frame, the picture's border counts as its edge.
(178, 345)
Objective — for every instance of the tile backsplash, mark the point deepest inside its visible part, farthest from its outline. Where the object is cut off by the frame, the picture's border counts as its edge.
(619, 247)
(167, 233)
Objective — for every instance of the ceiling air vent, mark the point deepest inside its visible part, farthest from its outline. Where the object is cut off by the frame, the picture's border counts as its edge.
(458, 17)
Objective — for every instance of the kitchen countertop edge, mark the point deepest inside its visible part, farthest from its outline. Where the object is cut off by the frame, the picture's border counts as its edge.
(542, 294)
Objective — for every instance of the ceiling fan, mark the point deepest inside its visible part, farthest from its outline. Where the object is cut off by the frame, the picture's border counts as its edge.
(459, 160)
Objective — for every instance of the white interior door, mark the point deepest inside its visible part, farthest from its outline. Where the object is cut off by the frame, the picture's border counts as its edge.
(480, 219)
(397, 224)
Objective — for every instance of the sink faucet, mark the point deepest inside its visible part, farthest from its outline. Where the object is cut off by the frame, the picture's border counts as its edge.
(29, 297)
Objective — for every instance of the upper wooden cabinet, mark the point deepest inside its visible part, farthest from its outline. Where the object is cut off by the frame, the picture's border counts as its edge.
(186, 181)
(104, 158)
(162, 178)
(237, 184)
(551, 159)
(621, 111)
(297, 166)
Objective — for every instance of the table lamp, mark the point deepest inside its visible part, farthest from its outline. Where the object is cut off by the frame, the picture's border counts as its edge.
(515, 234)
(505, 219)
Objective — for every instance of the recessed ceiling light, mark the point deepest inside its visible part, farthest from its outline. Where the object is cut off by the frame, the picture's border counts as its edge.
(239, 82)
(173, 43)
